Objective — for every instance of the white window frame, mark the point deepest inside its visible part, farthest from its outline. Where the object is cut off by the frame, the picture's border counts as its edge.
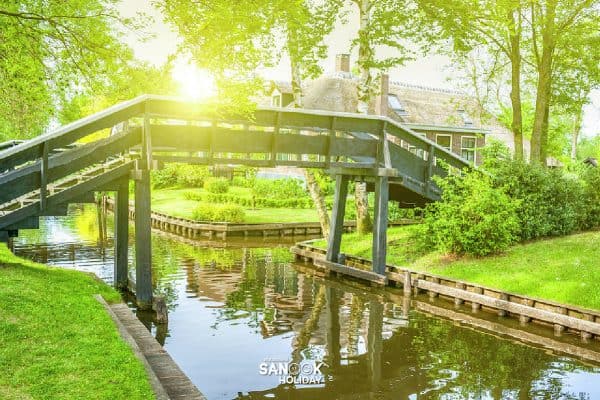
(474, 149)
(444, 135)
(280, 97)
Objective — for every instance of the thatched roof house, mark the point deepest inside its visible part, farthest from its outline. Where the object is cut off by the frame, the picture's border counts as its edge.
(450, 118)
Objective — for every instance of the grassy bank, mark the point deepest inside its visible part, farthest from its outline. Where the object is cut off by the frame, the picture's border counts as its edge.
(564, 269)
(173, 202)
(58, 342)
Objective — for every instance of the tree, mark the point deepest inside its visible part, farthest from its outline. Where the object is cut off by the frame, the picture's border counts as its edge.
(51, 50)
(577, 73)
(234, 39)
(495, 26)
(556, 26)
(382, 23)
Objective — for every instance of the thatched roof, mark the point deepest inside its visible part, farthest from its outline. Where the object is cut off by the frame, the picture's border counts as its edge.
(426, 108)
(331, 94)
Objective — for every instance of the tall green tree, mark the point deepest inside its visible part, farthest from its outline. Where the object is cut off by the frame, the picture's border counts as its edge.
(391, 24)
(495, 28)
(234, 39)
(50, 50)
(557, 27)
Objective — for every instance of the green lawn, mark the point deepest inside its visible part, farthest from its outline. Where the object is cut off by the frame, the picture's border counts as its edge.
(172, 202)
(58, 342)
(565, 269)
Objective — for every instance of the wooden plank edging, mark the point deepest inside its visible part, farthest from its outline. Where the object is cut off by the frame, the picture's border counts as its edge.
(562, 316)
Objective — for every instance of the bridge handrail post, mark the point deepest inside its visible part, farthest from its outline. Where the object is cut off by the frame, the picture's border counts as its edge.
(276, 127)
(44, 175)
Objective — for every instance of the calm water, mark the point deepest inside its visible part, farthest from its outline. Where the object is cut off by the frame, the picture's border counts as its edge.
(240, 315)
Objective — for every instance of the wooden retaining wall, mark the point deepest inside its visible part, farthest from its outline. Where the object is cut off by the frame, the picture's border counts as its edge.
(561, 317)
(195, 230)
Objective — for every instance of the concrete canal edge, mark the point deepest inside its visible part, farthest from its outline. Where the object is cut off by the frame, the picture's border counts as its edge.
(167, 379)
(561, 317)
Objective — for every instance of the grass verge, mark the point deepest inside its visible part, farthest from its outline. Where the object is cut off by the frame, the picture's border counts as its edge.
(58, 342)
(564, 269)
(172, 202)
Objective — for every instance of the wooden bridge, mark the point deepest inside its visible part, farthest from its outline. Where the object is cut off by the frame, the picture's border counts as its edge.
(42, 176)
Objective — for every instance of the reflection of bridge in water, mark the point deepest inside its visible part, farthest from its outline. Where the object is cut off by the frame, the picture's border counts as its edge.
(44, 175)
(371, 341)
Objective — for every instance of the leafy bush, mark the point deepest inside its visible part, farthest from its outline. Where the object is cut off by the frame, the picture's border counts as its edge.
(589, 217)
(219, 213)
(179, 175)
(474, 217)
(550, 200)
(165, 177)
(216, 185)
(278, 188)
(261, 202)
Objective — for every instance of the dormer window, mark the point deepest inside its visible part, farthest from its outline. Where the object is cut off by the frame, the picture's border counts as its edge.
(276, 100)
(396, 105)
(467, 121)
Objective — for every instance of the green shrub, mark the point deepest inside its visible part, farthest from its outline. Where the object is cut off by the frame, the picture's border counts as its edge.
(183, 175)
(219, 213)
(192, 175)
(551, 201)
(165, 177)
(589, 216)
(474, 217)
(278, 188)
(216, 185)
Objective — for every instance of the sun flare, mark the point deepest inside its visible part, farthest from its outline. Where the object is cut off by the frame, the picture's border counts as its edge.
(194, 83)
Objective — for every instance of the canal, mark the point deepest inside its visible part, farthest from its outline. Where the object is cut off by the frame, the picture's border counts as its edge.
(245, 322)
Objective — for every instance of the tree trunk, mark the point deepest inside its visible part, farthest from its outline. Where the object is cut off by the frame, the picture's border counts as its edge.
(515, 93)
(365, 57)
(575, 137)
(317, 196)
(361, 201)
(544, 86)
(544, 138)
(314, 189)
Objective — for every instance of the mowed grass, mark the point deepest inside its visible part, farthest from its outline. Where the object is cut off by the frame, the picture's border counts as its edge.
(57, 341)
(565, 269)
(172, 202)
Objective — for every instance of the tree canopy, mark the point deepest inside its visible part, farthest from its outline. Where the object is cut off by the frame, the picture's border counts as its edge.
(52, 50)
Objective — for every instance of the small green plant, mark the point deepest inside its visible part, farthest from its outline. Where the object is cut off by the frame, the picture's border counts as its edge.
(216, 185)
(219, 213)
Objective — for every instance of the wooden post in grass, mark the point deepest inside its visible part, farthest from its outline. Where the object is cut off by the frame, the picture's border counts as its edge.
(121, 235)
(337, 218)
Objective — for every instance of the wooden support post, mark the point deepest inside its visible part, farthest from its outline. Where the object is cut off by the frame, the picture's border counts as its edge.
(337, 218)
(503, 313)
(143, 241)
(407, 286)
(476, 306)
(159, 305)
(121, 235)
(458, 301)
(380, 224)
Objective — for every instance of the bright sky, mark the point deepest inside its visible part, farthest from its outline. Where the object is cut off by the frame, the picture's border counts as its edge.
(429, 71)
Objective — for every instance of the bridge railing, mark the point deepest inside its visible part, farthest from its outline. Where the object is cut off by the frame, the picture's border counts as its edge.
(171, 129)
